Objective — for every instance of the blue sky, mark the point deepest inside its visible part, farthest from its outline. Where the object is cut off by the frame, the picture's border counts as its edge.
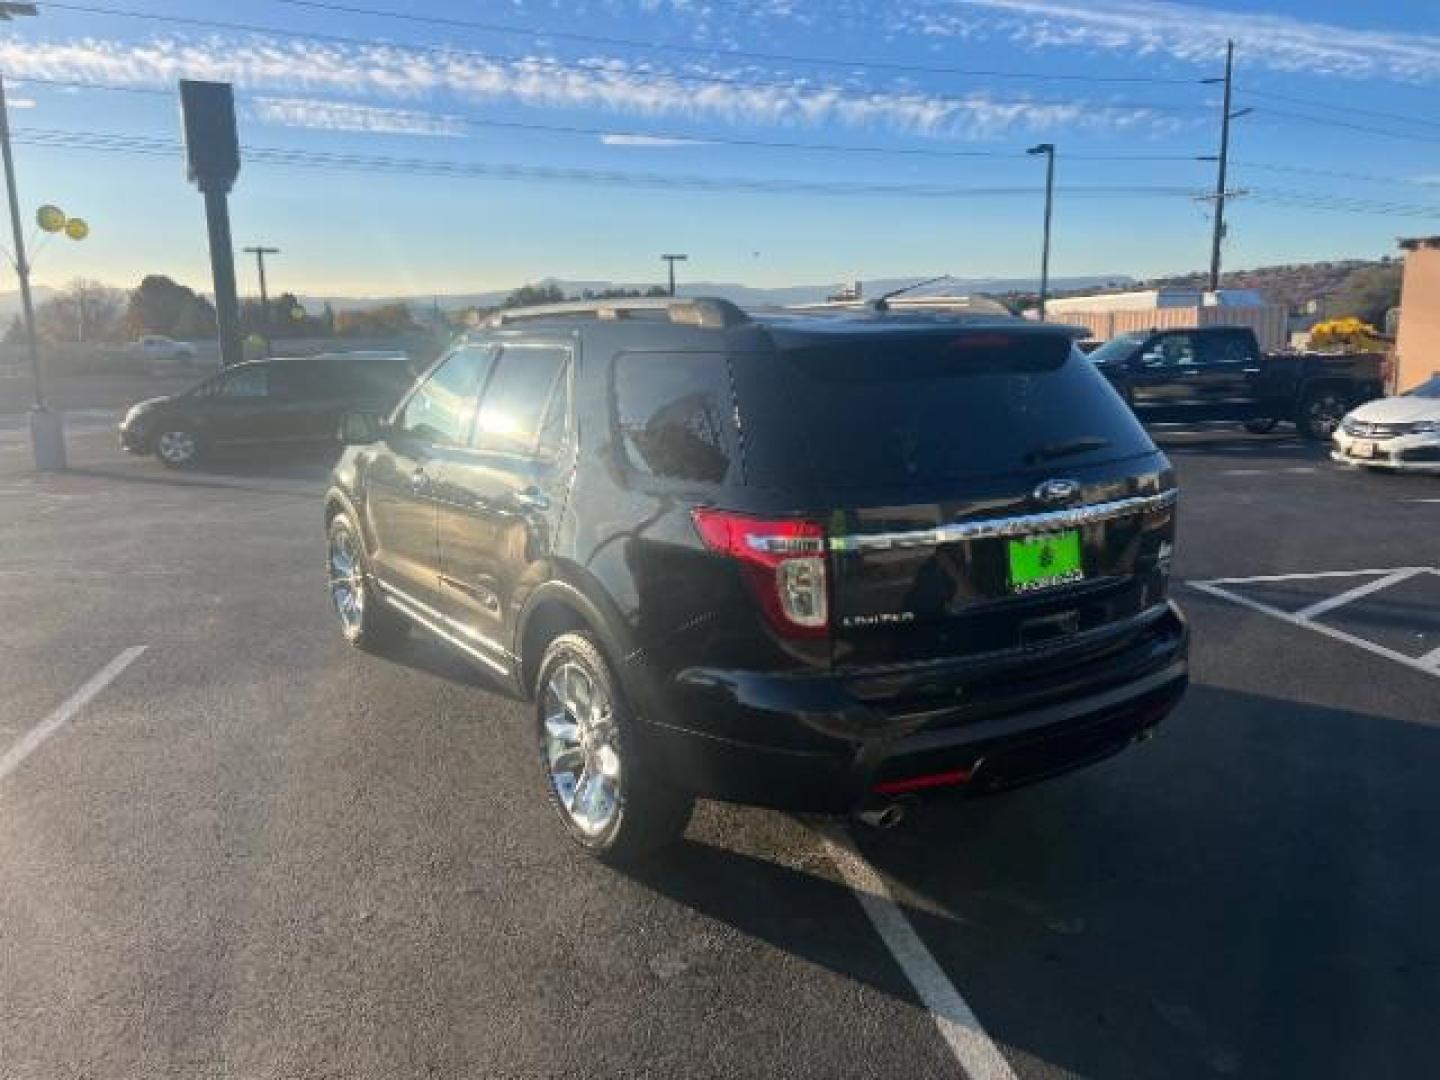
(682, 91)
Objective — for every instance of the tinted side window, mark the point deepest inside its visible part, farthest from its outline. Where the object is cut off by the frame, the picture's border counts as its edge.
(441, 410)
(1171, 350)
(1228, 349)
(247, 382)
(518, 397)
(676, 415)
(298, 380)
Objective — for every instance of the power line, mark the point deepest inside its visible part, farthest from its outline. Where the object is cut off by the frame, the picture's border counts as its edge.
(744, 54)
(121, 143)
(1377, 114)
(684, 136)
(280, 156)
(1334, 174)
(1326, 121)
(594, 68)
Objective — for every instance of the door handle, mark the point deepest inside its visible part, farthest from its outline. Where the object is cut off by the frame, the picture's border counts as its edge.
(530, 498)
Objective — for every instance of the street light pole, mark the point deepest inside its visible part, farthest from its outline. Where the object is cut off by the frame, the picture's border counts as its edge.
(47, 429)
(260, 252)
(672, 260)
(1048, 149)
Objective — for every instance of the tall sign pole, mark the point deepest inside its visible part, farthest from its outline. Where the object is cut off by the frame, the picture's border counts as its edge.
(1048, 149)
(672, 260)
(212, 154)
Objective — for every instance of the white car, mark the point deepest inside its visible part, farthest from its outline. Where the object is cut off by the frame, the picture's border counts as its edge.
(159, 348)
(1400, 433)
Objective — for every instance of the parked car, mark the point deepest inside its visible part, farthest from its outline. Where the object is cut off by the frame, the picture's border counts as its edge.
(1400, 433)
(284, 400)
(156, 348)
(825, 563)
(1213, 373)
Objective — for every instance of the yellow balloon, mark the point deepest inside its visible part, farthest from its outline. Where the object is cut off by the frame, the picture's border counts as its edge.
(76, 229)
(51, 219)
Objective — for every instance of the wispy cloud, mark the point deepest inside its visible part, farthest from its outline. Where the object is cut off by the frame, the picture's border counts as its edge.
(649, 140)
(20, 103)
(1191, 33)
(347, 116)
(389, 73)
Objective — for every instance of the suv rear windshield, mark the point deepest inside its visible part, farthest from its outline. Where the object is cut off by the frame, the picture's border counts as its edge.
(915, 409)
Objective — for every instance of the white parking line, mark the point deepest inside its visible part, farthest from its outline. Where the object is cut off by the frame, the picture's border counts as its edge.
(33, 739)
(1429, 663)
(1330, 603)
(979, 1057)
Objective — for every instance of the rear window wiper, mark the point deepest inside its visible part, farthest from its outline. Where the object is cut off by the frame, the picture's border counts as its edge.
(1064, 449)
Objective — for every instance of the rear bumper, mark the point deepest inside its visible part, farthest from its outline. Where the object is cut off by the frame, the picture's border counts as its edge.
(832, 743)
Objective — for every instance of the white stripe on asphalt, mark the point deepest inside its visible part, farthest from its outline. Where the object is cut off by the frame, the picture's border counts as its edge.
(1317, 574)
(1330, 603)
(1418, 663)
(33, 739)
(978, 1055)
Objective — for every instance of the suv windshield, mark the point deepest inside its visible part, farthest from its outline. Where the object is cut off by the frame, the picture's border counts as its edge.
(1117, 348)
(904, 410)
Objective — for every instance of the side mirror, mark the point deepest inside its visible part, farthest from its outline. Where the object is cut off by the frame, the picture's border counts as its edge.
(361, 428)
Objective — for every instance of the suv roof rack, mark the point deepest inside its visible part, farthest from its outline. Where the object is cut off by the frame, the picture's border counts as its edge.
(710, 312)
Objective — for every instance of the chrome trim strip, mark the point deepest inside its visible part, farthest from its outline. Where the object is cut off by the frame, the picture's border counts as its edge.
(436, 622)
(1021, 525)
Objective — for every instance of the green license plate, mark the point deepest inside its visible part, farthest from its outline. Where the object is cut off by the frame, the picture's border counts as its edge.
(1045, 561)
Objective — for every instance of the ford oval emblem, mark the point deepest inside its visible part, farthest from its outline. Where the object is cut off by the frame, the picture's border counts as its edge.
(1057, 492)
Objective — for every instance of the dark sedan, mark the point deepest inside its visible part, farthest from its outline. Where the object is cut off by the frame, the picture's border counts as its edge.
(275, 402)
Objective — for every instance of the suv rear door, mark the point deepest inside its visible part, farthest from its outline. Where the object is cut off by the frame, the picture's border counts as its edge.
(930, 457)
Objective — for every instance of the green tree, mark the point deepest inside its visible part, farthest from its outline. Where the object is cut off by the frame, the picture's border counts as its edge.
(530, 295)
(196, 319)
(1368, 293)
(83, 311)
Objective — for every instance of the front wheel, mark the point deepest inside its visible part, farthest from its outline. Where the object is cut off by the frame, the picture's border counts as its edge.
(177, 448)
(598, 782)
(1321, 413)
(365, 620)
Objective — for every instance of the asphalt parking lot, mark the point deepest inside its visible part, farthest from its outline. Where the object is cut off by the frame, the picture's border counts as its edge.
(232, 846)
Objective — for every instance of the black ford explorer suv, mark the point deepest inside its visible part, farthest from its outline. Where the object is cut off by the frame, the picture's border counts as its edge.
(822, 563)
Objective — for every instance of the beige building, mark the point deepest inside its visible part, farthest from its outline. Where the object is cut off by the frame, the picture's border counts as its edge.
(1417, 341)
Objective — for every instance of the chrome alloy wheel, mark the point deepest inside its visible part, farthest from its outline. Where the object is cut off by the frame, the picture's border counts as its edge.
(347, 581)
(582, 748)
(175, 447)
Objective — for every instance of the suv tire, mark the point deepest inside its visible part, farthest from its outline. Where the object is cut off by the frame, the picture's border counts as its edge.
(604, 791)
(366, 621)
(1321, 412)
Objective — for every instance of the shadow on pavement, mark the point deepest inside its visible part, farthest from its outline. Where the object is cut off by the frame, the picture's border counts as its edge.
(1241, 897)
(297, 472)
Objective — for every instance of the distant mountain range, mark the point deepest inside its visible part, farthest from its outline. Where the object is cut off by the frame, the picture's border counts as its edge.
(744, 295)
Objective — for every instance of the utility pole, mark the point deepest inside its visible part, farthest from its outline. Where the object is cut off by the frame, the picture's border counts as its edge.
(1220, 192)
(1048, 149)
(47, 431)
(260, 253)
(672, 260)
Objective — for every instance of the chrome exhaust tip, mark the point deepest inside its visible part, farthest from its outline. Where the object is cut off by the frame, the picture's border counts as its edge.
(882, 817)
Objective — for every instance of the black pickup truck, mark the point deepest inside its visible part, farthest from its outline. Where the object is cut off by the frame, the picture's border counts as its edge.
(1220, 373)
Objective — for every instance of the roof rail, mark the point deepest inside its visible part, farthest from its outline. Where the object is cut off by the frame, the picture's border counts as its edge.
(710, 312)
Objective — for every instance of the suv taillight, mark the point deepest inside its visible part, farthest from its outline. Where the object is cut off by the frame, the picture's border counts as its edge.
(784, 561)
